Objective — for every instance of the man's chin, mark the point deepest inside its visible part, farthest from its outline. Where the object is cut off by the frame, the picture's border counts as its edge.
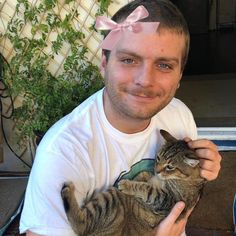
(140, 114)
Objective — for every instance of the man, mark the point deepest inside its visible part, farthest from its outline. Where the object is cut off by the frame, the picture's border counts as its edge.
(119, 126)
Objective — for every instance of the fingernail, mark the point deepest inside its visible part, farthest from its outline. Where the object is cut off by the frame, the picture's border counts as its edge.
(181, 205)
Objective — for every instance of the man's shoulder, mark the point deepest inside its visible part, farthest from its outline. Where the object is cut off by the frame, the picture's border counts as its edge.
(177, 118)
(79, 115)
(90, 103)
(176, 106)
(76, 123)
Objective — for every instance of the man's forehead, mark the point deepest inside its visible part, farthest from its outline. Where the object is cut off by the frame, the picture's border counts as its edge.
(131, 43)
(143, 37)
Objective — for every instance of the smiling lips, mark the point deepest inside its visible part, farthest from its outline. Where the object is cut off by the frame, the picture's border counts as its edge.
(143, 96)
(141, 92)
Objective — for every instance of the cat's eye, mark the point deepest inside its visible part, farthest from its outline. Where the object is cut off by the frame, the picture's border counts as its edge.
(169, 167)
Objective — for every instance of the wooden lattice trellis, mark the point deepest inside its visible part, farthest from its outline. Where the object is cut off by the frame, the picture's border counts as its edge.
(87, 10)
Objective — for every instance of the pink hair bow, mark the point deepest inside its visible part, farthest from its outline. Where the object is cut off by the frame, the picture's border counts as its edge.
(130, 24)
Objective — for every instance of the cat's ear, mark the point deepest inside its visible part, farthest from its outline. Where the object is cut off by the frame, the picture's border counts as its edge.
(191, 162)
(167, 136)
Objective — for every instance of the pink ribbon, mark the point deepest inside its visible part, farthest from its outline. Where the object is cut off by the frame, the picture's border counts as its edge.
(130, 24)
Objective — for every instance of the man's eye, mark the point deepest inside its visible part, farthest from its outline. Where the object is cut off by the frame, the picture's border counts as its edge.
(164, 66)
(128, 61)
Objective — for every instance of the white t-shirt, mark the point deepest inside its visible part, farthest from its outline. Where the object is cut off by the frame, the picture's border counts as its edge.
(84, 148)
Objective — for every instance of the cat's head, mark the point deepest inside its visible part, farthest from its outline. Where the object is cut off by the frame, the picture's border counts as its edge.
(176, 160)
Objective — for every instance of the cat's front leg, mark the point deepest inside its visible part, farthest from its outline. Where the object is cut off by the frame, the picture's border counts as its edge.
(67, 194)
(126, 187)
(143, 176)
(137, 189)
(75, 215)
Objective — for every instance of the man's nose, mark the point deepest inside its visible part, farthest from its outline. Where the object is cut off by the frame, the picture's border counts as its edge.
(145, 76)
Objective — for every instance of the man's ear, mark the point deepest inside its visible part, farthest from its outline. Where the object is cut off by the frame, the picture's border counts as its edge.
(103, 64)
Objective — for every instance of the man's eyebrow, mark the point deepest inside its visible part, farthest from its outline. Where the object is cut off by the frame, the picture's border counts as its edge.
(168, 59)
(127, 52)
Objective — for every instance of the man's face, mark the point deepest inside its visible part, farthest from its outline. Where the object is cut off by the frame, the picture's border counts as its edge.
(142, 73)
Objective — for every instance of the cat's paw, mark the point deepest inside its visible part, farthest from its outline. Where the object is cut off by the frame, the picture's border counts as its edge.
(67, 189)
(66, 193)
(143, 176)
(124, 186)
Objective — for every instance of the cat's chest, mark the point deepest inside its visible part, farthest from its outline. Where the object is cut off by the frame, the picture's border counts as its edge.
(157, 182)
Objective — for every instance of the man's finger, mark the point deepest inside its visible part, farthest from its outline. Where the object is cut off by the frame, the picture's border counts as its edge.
(175, 212)
(202, 143)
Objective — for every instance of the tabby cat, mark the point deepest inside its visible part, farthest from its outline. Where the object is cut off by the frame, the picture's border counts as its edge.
(137, 206)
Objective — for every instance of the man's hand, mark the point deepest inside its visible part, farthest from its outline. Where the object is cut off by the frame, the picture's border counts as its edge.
(209, 156)
(169, 226)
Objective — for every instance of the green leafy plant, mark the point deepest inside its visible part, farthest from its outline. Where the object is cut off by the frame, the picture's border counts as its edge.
(45, 98)
(104, 4)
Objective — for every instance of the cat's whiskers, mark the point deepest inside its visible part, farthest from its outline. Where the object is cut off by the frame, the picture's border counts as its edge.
(158, 181)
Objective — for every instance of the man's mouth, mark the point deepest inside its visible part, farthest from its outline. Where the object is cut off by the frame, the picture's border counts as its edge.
(142, 93)
(143, 96)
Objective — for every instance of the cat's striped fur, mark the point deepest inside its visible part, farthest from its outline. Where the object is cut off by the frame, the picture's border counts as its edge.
(139, 205)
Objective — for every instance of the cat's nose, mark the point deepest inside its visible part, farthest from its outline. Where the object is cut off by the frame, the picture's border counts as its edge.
(158, 169)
